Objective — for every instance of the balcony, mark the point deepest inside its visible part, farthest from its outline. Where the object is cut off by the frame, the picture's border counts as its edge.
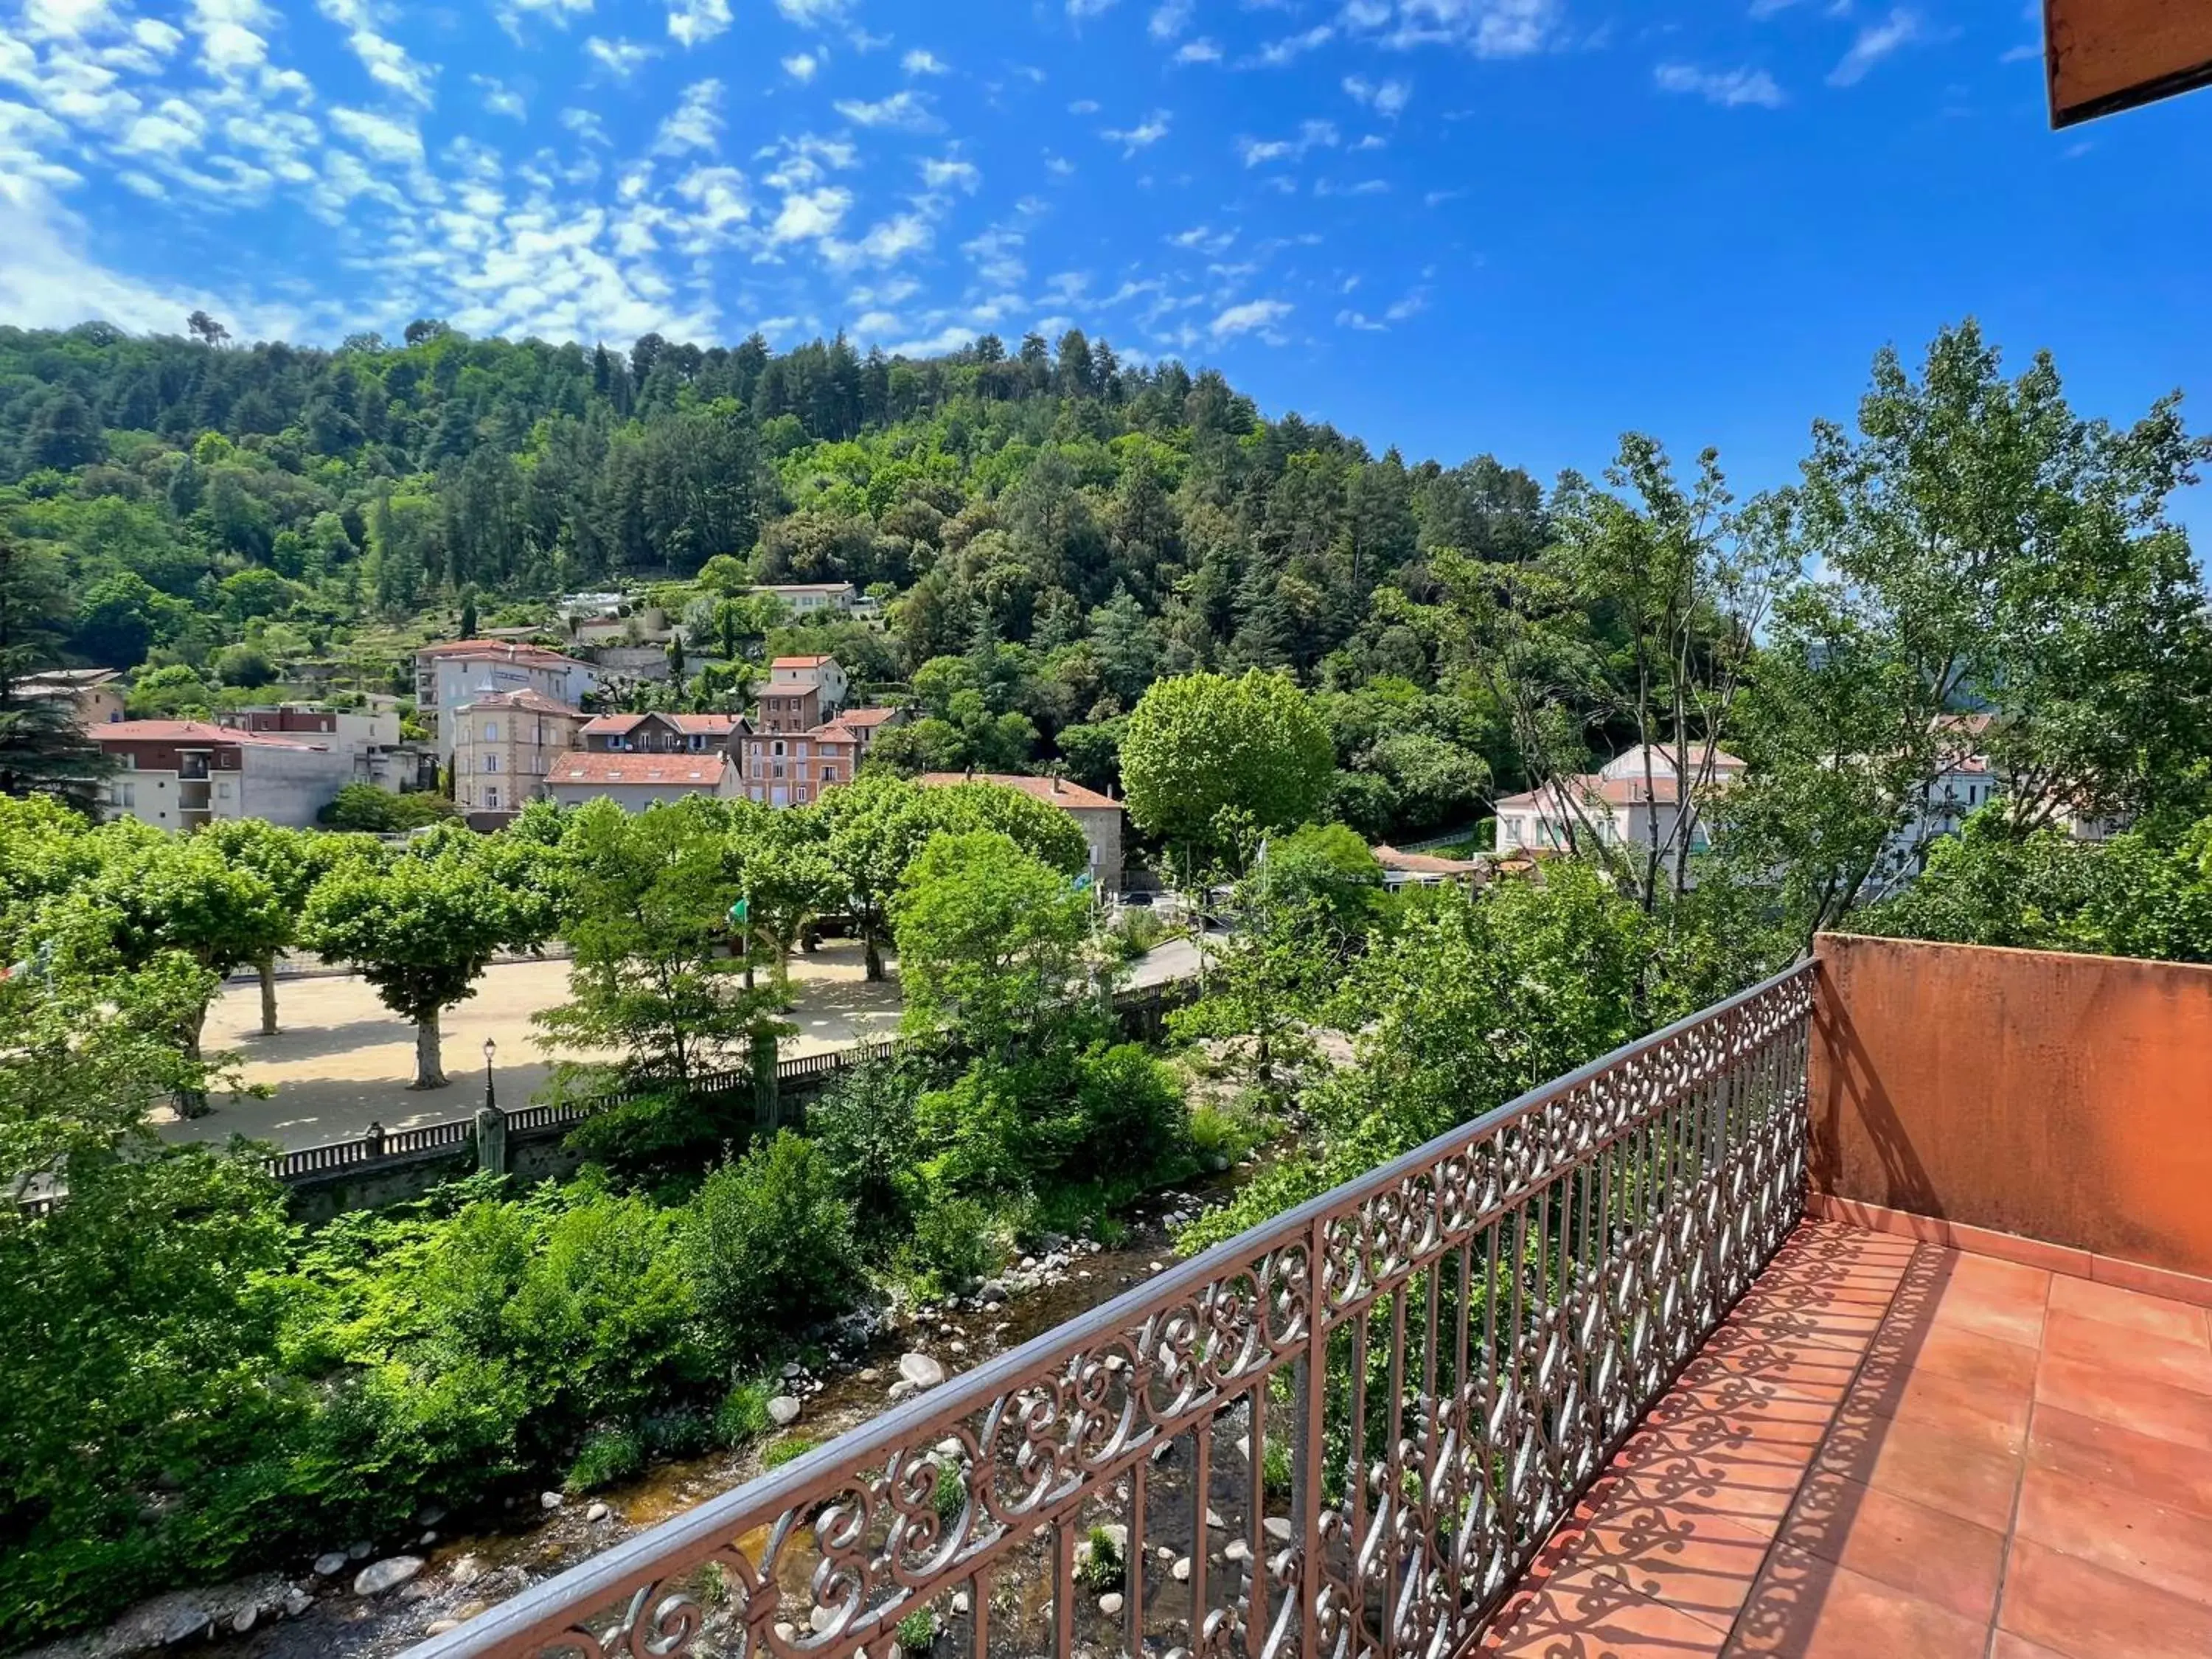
(1864, 1314)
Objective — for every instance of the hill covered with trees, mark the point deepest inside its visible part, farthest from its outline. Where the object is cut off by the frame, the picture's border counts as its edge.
(1066, 527)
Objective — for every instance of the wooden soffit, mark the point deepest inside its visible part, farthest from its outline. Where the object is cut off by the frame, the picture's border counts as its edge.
(2105, 56)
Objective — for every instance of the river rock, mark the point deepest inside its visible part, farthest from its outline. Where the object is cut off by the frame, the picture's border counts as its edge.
(921, 1370)
(1213, 1518)
(387, 1574)
(871, 1374)
(786, 1631)
(464, 1572)
(297, 1601)
(549, 1500)
(1237, 1550)
(1110, 1603)
(821, 1618)
(793, 1370)
(244, 1619)
(960, 1602)
(783, 1411)
(182, 1625)
(360, 1549)
(1277, 1528)
(429, 1514)
(1181, 1571)
(428, 1539)
(330, 1566)
(440, 1627)
(597, 1512)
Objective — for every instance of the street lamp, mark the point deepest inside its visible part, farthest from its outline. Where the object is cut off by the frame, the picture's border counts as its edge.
(490, 1048)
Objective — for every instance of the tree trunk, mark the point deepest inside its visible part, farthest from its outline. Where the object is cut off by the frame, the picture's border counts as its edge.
(874, 952)
(192, 1101)
(268, 967)
(428, 1073)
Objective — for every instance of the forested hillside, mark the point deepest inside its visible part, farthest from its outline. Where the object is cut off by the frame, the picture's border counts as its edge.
(1067, 526)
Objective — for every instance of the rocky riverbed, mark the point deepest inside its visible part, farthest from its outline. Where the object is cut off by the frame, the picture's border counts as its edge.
(372, 1598)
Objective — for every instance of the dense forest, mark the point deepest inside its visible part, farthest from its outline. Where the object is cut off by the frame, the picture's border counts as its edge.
(1066, 527)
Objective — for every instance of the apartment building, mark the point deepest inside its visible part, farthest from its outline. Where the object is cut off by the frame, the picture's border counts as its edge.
(96, 695)
(801, 694)
(462, 671)
(180, 774)
(368, 738)
(634, 782)
(793, 770)
(814, 599)
(505, 746)
(659, 733)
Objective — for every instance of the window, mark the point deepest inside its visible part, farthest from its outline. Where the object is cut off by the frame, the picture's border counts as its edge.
(776, 748)
(697, 743)
(802, 749)
(124, 795)
(491, 731)
(491, 762)
(755, 748)
(776, 771)
(828, 773)
(491, 798)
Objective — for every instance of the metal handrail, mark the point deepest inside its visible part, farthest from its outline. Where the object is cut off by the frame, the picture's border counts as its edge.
(1613, 1216)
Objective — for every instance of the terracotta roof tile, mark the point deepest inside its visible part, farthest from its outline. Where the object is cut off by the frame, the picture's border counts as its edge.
(1057, 792)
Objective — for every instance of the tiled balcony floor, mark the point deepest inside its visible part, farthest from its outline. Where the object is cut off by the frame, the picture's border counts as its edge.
(1893, 1450)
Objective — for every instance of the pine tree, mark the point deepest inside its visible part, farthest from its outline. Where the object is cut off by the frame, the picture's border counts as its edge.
(42, 752)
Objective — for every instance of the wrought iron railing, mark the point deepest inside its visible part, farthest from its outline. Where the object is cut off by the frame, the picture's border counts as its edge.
(1345, 1433)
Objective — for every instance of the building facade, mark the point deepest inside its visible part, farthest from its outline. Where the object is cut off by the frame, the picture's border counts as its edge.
(95, 695)
(1629, 800)
(506, 745)
(1099, 816)
(659, 733)
(802, 693)
(463, 671)
(634, 782)
(813, 598)
(793, 770)
(181, 775)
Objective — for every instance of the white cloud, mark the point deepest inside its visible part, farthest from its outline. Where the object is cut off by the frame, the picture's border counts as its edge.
(1198, 52)
(1875, 42)
(621, 58)
(1488, 28)
(386, 62)
(953, 336)
(380, 135)
(1261, 315)
(1204, 239)
(801, 66)
(1361, 320)
(997, 253)
(813, 14)
(920, 61)
(1383, 97)
(885, 243)
(499, 98)
(1276, 54)
(556, 12)
(1144, 136)
(907, 112)
(1079, 10)
(1729, 88)
(950, 174)
(1169, 19)
(230, 43)
(691, 21)
(1084, 106)
(585, 125)
(810, 214)
(1312, 134)
(694, 123)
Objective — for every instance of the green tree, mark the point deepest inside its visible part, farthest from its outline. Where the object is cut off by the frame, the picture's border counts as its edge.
(990, 940)
(42, 751)
(1207, 759)
(423, 928)
(771, 1249)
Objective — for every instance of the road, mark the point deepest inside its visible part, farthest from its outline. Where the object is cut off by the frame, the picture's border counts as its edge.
(342, 1060)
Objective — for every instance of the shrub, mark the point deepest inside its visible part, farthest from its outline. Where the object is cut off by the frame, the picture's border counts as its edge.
(1129, 1114)
(1275, 1469)
(771, 1248)
(788, 1449)
(863, 1124)
(953, 1244)
(612, 1454)
(1102, 1568)
(917, 1633)
(742, 1418)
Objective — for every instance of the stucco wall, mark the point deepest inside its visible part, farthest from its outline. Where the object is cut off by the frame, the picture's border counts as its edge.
(2063, 1098)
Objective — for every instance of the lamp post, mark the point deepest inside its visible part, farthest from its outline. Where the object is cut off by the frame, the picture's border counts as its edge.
(490, 1048)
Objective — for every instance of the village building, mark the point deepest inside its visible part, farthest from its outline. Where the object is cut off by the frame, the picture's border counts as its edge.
(461, 672)
(182, 775)
(794, 770)
(506, 745)
(1099, 816)
(634, 782)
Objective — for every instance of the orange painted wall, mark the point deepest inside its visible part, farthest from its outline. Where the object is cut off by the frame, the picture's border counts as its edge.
(2061, 1097)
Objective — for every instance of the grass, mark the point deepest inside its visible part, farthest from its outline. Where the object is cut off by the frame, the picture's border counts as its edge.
(792, 1447)
(917, 1633)
(1102, 1568)
(742, 1415)
(609, 1455)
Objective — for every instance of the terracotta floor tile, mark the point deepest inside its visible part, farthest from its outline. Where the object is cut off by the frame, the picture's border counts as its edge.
(2118, 1530)
(1805, 1373)
(1806, 1608)
(1988, 1276)
(2086, 1448)
(2009, 1313)
(1822, 1328)
(1971, 1356)
(1703, 1566)
(1984, 1417)
(2181, 1364)
(1597, 1618)
(2158, 1409)
(2005, 1645)
(1926, 1464)
(1937, 1557)
(1786, 1423)
(2175, 1320)
(1705, 1488)
(2083, 1610)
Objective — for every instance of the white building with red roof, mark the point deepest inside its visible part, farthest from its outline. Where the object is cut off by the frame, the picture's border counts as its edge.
(458, 671)
(180, 774)
(1099, 816)
(637, 781)
(1622, 803)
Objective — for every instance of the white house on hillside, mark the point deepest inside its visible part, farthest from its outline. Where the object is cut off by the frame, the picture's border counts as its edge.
(1622, 804)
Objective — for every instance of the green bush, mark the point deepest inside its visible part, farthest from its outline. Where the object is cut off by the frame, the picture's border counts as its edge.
(953, 1244)
(771, 1249)
(917, 1633)
(1102, 1567)
(788, 1449)
(610, 1455)
(742, 1417)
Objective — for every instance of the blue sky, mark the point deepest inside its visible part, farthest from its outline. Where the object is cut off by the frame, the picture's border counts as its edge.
(1454, 225)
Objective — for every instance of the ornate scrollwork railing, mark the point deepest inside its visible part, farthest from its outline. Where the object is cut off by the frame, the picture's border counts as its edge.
(1346, 1432)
